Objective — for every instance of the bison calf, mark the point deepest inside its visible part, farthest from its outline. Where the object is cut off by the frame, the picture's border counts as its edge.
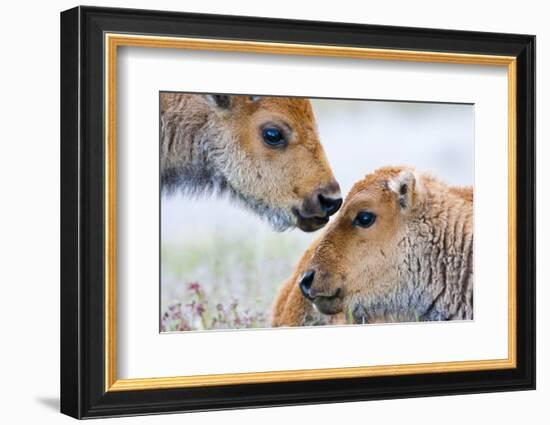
(262, 151)
(401, 249)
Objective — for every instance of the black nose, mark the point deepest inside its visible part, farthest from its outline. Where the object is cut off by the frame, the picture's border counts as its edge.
(305, 283)
(329, 205)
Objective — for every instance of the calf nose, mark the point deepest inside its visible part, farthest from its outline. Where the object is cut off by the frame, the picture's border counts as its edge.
(329, 205)
(305, 283)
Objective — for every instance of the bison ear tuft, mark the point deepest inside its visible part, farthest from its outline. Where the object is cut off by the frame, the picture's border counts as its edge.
(406, 188)
(219, 101)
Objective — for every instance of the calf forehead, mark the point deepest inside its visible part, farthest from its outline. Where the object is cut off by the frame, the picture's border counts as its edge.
(296, 110)
(375, 197)
(375, 183)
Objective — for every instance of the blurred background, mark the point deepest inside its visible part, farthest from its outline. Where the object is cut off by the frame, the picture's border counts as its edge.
(221, 265)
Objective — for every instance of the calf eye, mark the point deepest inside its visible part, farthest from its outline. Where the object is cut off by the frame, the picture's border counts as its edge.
(364, 219)
(273, 137)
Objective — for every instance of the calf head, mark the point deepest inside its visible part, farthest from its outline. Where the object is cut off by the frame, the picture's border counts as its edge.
(355, 266)
(271, 159)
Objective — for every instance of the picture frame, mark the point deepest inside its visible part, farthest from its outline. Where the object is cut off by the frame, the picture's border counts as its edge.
(90, 40)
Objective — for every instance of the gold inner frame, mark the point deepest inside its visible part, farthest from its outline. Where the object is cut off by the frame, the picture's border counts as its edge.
(113, 41)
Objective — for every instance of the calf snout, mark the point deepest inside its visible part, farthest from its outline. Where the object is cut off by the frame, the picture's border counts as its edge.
(326, 299)
(329, 205)
(318, 207)
(305, 283)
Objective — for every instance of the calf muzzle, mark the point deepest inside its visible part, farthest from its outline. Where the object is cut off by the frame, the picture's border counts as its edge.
(327, 302)
(318, 207)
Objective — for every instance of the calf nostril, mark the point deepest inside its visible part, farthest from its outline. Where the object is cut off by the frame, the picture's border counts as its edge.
(329, 205)
(306, 281)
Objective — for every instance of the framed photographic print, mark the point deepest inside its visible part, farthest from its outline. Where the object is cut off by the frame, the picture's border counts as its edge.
(261, 212)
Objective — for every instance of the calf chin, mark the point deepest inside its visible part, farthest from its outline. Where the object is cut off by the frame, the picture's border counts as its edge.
(328, 305)
(309, 224)
(278, 218)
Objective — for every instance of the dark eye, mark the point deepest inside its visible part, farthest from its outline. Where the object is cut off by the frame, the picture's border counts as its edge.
(364, 219)
(273, 136)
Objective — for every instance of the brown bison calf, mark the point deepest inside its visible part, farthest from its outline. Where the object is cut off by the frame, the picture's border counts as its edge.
(401, 249)
(262, 151)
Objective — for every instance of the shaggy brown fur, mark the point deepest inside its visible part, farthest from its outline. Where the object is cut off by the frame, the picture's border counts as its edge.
(414, 263)
(213, 143)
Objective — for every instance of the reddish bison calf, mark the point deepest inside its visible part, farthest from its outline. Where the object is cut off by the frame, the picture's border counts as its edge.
(262, 151)
(401, 249)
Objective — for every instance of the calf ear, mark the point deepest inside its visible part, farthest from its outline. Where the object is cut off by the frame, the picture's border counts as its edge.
(220, 101)
(406, 187)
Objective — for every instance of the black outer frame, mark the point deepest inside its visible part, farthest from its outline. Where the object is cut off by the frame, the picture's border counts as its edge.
(82, 212)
